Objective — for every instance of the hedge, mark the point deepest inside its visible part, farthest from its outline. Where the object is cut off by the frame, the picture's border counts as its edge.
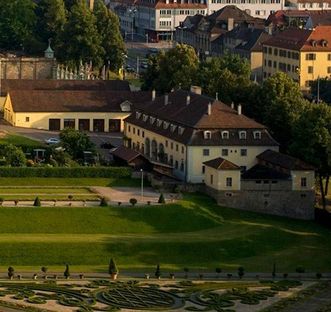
(65, 172)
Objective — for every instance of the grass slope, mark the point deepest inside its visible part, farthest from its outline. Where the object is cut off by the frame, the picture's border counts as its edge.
(20, 140)
(194, 233)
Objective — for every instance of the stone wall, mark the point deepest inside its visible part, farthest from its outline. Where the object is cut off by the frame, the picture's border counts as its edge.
(286, 203)
(27, 68)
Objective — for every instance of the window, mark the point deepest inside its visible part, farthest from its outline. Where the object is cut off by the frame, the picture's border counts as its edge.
(182, 165)
(134, 130)
(242, 135)
(183, 149)
(205, 152)
(329, 69)
(225, 152)
(303, 182)
(229, 182)
(310, 69)
(129, 129)
(176, 164)
(172, 145)
(257, 134)
(27, 119)
(225, 134)
(211, 179)
(243, 152)
(176, 147)
(310, 57)
(203, 169)
(166, 143)
(138, 114)
(207, 135)
(329, 55)
(143, 134)
(138, 132)
(276, 51)
(180, 130)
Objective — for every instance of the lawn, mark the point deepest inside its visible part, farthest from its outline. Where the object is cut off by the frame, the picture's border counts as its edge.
(20, 140)
(194, 233)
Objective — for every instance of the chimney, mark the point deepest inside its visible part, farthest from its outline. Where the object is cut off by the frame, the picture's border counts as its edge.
(209, 108)
(230, 23)
(153, 95)
(188, 99)
(216, 96)
(239, 109)
(232, 105)
(166, 99)
(196, 90)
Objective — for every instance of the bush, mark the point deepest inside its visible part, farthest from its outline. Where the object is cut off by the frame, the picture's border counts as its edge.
(318, 275)
(65, 172)
(11, 272)
(44, 269)
(37, 202)
(133, 201)
(161, 199)
(218, 271)
(241, 272)
(103, 202)
(1, 201)
(67, 272)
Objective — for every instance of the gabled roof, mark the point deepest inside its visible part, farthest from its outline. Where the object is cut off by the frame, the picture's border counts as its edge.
(73, 101)
(221, 164)
(260, 172)
(127, 154)
(162, 4)
(284, 161)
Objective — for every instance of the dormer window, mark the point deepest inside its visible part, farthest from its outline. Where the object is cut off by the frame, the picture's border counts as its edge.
(207, 135)
(242, 135)
(313, 43)
(158, 122)
(145, 117)
(324, 43)
(225, 134)
(138, 114)
(180, 130)
(257, 135)
(165, 125)
(151, 120)
(173, 128)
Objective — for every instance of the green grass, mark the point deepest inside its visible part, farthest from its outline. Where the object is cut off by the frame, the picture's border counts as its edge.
(20, 140)
(73, 182)
(195, 233)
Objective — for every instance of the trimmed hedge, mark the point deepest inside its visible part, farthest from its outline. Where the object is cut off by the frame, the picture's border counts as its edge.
(65, 172)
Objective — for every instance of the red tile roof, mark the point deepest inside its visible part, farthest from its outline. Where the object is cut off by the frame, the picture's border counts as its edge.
(125, 153)
(221, 164)
(302, 39)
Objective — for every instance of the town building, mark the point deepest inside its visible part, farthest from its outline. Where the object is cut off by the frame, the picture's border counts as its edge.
(201, 32)
(305, 55)
(255, 8)
(308, 5)
(154, 20)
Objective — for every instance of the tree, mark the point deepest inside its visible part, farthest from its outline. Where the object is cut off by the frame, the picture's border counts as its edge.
(281, 103)
(158, 272)
(112, 42)
(324, 87)
(312, 142)
(273, 270)
(241, 272)
(172, 69)
(76, 142)
(103, 202)
(17, 20)
(218, 271)
(67, 272)
(51, 20)
(37, 202)
(81, 40)
(14, 156)
(133, 201)
(112, 269)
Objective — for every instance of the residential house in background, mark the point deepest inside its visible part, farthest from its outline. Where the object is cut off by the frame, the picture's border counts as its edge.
(305, 55)
(202, 31)
(310, 4)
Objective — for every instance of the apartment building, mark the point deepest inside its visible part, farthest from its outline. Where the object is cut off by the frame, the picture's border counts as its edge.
(312, 4)
(184, 130)
(305, 55)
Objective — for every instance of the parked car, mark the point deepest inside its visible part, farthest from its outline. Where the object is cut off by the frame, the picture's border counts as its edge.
(52, 141)
(153, 50)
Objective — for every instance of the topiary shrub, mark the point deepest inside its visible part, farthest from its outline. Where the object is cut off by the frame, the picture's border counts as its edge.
(67, 272)
(11, 272)
(241, 272)
(158, 272)
(103, 202)
(161, 199)
(1, 201)
(218, 271)
(273, 271)
(186, 270)
(133, 201)
(44, 270)
(16, 201)
(318, 275)
(112, 269)
(37, 202)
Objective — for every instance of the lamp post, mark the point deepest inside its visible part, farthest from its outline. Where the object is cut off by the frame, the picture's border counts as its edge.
(132, 13)
(142, 184)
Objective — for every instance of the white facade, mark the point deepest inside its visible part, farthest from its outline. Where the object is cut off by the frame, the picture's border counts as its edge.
(313, 5)
(255, 8)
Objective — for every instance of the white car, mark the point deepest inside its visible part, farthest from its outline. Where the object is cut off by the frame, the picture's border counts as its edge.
(52, 141)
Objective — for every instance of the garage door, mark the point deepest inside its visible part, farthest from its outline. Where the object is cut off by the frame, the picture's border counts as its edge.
(54, 124)
(98, 125)
(114, 125)
(84, 124)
